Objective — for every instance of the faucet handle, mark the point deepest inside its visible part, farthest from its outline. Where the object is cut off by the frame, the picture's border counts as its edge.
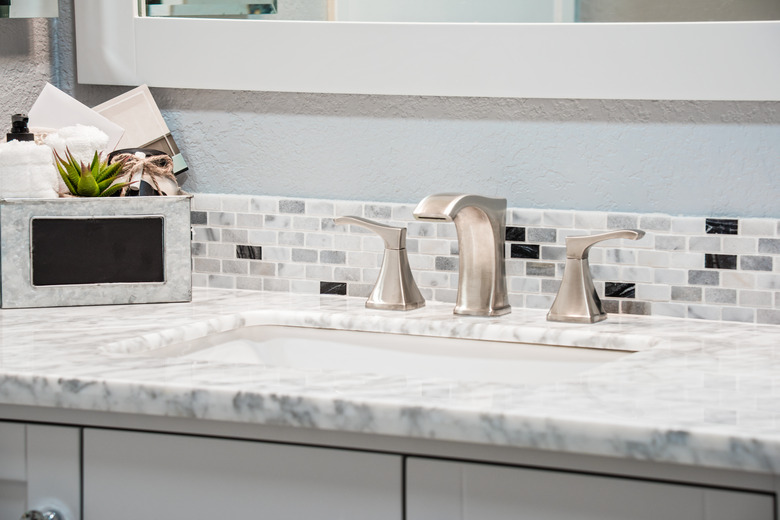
(395, 287)
(577, 301)
(394, 237)
(578, 247)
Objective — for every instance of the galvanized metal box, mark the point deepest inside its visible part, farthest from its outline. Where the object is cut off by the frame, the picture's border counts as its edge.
(94, 251)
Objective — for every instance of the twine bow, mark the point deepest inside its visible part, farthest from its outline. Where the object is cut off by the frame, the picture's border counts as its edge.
(157, 170)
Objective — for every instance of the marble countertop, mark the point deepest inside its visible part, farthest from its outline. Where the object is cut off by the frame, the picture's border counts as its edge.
(695, 392)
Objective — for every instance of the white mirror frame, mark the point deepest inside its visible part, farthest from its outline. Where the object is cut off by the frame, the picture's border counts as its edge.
(706, 61)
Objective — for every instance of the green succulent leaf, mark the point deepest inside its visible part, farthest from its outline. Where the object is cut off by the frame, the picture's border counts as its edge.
(66, 179)
(89, 180)
(87, 187)
(111, 171)
(95, 163)
(113, 189)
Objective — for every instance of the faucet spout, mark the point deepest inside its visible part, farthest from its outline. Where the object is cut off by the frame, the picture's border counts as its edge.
(480, 223)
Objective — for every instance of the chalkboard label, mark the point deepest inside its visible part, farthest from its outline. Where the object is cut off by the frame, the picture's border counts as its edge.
(78, 251)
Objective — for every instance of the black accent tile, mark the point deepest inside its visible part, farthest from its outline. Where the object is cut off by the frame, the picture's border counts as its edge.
(525, 251)
(722, 226)
(515, 234)
(249, 252)
(198, 217)
(339, 288)
(619, 290)
(712, 261)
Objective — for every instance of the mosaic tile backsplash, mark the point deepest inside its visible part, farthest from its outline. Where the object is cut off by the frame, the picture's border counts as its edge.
(686, 267)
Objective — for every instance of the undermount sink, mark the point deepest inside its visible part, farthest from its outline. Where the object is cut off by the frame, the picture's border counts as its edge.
(392, 354)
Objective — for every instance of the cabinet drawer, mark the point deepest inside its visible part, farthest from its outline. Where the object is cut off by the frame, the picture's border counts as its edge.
(12, 452)
(439, 490)
(130, 475)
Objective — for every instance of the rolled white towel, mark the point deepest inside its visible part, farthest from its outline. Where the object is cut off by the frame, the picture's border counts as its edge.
(27, 171)
(82, 141)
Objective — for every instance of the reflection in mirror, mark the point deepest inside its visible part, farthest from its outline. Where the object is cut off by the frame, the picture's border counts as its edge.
(28, 9)
(484, 11)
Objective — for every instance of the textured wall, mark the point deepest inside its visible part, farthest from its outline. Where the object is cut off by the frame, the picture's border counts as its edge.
(27, 63)
(681, 157)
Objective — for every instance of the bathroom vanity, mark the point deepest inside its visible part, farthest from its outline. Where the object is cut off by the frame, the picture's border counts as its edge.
(120, 413)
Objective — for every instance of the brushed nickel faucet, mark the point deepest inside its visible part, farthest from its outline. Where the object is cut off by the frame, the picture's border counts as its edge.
(577, 301)
(481, 226)
(395, 287)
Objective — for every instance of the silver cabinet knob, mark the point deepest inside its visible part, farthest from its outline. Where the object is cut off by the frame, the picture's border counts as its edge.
(46, 514)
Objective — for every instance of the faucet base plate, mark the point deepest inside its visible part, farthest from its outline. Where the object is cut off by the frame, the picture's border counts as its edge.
(576, 319)
(482, 312)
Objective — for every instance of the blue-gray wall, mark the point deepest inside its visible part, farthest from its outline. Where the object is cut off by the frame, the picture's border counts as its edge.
(677, 157)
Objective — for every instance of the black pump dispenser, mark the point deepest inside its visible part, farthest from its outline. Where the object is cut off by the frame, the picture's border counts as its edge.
(19, 130)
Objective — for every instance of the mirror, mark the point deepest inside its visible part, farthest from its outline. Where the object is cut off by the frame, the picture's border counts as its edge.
(482, 11)
(703, 61)
(28, 9)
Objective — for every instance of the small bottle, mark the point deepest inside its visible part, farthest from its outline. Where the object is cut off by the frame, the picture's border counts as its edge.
(19, 130)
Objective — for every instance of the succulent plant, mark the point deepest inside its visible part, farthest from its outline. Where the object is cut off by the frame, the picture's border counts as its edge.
(89, 180)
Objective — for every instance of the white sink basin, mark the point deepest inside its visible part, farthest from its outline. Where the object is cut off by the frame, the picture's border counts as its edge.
(392, 354)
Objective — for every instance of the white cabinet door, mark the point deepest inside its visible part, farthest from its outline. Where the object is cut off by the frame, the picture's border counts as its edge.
(132, 476)
(440, 490)
(13, 471)
(40, 468)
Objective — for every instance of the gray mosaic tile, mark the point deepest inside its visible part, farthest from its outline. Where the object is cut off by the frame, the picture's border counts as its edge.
(277, 222)
(249, 283)
(236, 236)
(768, 316)
(655, 223)
(377, 211)
(687, 294)
(259, 268)
(292, 206)
(769, 245)
(222, 282)
(755, 298)
(235, 267)
(220, 218)
(635, 307)
(198, 217)
(704, 312)
(249, 220)
(617, 221)
(291, 238)
(540, 269)
(540, 235)
(263, 205)
(304, 255)
(703, 277)
(550, 286)
(276, 285)
(717, 295)
(670, 243)
(206, 265)
(755, 263)
(709, 244)
(738, 314)
(333, 257)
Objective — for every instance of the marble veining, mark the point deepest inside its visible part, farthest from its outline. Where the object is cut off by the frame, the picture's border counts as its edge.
(700, 393)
